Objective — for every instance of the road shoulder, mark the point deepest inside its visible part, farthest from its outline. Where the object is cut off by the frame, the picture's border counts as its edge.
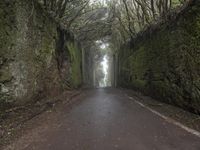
(189, 120)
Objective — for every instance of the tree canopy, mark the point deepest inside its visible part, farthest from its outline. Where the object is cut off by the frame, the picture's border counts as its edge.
(91, 20)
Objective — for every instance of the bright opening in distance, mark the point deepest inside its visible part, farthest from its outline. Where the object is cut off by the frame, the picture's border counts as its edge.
(104, 45)
(98, 1)
(105, 66)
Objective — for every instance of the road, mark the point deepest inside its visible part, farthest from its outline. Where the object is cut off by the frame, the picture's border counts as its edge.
(106, 119)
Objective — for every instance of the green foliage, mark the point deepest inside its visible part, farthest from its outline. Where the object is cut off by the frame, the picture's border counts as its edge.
(75, 55)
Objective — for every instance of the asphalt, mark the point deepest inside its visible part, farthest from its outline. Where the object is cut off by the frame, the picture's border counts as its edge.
(106, 119)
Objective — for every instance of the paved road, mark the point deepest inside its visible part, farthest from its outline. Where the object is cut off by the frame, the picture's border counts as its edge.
(106, 119)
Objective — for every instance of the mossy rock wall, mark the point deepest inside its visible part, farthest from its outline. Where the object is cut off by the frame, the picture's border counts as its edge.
(165, 63)
(75, 60)
(29, 55)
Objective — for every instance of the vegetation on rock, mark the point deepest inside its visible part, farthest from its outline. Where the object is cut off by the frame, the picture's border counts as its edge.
(165, 64)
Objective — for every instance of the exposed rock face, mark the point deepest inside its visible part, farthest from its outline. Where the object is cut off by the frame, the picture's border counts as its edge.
(89, 66)
(35, 60)
(166, 63)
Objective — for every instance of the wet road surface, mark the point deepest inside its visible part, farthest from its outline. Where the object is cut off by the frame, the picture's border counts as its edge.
(106, 119)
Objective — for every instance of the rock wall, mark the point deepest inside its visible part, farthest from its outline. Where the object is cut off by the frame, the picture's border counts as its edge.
(69, 59)
(165, 62)
(35, 60)
(75, 54)
(88, 66)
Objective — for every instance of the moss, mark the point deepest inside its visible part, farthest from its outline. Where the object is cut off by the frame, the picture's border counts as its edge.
(75, 55)
(166, 65)
(140, 84)
(28, 65)
(5, 76)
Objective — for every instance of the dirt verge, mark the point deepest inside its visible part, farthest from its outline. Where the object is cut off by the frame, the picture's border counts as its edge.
(12, 121)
